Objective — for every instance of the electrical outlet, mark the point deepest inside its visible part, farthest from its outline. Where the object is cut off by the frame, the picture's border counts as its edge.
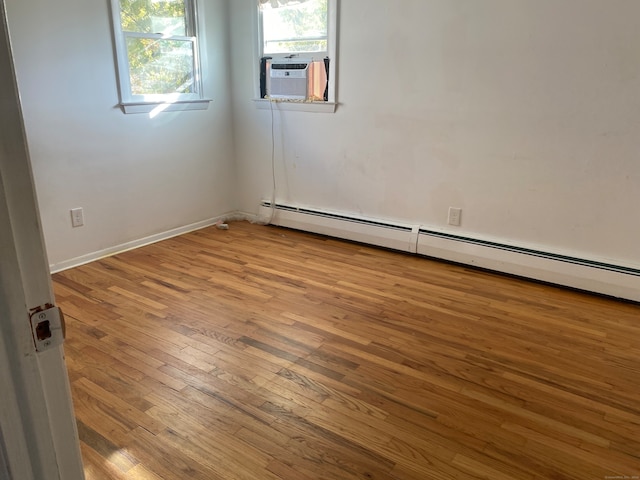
(77, 217)
(455, 216)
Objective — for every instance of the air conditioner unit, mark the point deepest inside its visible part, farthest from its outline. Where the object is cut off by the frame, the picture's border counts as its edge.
(289, 79)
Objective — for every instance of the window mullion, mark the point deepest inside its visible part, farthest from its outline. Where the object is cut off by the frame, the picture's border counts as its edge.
(158, 36)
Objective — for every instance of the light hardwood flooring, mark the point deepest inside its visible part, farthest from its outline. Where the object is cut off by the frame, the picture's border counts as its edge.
(264, 353)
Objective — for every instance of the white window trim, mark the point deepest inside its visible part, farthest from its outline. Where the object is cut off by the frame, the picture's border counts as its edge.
(332, 49)
(154, 108)
(154, 104)
(295, 106)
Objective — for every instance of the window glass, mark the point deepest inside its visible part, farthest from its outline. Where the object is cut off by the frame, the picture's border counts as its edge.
(294, 26)
(160, 66)
(167, 17)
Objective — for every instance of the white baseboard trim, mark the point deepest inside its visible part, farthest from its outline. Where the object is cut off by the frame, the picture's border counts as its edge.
(593, 275)
(107, 252)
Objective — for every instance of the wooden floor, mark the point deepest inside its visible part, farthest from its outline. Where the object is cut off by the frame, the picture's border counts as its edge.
(263, 353)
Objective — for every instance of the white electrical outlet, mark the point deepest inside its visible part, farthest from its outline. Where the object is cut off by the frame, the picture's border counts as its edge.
(455, 216)
(77, 217)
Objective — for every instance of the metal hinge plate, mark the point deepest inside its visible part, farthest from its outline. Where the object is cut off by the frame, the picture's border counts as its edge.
(47, 327)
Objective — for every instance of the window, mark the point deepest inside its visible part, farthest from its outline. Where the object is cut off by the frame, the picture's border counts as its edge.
(157, 53)
(297, 45)
(290, 27)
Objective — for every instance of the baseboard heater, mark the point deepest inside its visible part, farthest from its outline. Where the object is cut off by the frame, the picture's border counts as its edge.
(585, 274)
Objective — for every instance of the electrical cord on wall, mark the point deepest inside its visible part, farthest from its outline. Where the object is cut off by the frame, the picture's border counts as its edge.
(273, 171)
(273, 165)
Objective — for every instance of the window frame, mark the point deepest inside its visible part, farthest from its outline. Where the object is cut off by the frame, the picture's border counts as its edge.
(331, 53)
(155, 103)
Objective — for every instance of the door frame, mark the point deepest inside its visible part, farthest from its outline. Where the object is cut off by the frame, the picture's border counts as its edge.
(36, 412)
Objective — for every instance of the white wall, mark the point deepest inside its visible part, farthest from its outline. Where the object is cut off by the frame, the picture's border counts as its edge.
(134, 176)
(525, 113)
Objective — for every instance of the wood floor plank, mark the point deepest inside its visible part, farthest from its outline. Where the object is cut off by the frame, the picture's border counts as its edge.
(98, 467)
(265, 353)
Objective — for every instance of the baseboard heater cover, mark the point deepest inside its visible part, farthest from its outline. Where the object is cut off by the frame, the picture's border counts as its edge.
(535, 253)
(397, 236)
(585, 274)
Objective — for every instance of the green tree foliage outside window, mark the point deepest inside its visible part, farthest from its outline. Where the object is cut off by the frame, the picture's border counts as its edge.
(146, 16)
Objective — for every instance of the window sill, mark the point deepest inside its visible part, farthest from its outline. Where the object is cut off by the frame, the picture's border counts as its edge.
(295, 106)
(153, 108)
